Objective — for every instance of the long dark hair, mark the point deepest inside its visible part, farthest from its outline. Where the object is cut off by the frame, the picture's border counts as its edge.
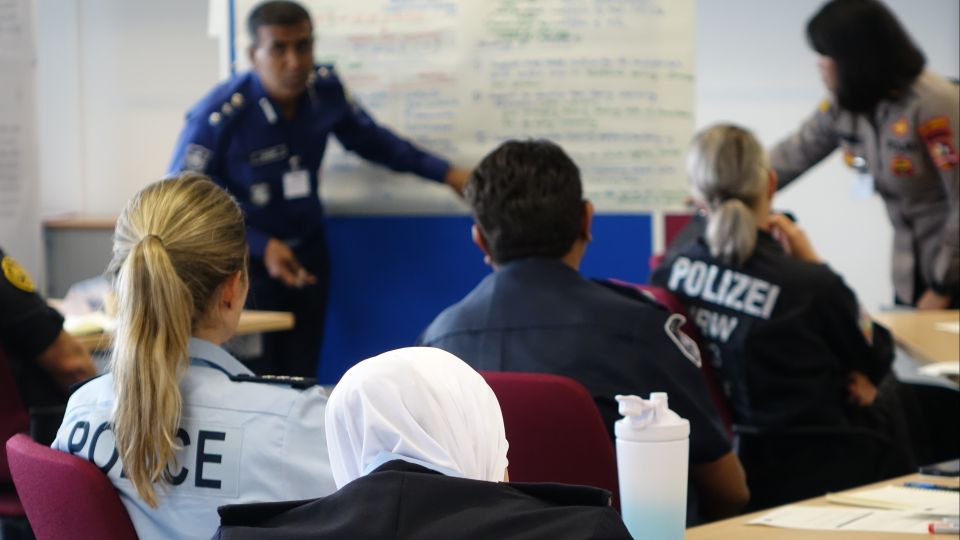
(875, 57)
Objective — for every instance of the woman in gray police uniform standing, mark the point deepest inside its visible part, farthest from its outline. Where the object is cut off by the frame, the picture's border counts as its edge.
(179, 426)
(896, 121)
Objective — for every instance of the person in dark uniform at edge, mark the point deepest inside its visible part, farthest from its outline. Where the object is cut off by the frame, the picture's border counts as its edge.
(44, 360)
(792, 345)
(262, 135)
(419, 451)
(897, 121)
(536, 313)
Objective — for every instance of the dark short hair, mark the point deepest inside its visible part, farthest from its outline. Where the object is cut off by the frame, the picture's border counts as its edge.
(527, 200)
(875, 57)
(275, 13)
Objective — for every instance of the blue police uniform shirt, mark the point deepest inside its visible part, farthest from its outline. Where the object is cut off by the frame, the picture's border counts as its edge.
(270, 164)
(241, 442)
(540, 315)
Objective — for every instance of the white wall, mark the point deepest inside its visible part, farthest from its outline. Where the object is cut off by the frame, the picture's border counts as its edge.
(116, 76)
(754, 68)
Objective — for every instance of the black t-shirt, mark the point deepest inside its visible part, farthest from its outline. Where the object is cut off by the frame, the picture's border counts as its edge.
(27, 327)
(539, 315)
(784, 334)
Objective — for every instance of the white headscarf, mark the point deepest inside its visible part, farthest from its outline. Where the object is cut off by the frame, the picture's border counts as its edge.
(419, 404)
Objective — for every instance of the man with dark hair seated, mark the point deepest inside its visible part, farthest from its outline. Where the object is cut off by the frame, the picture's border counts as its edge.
(536, 313)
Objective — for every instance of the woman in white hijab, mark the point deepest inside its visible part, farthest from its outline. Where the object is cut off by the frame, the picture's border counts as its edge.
(418, 450)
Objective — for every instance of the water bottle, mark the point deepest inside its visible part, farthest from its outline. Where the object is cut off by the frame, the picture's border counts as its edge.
(653, 444)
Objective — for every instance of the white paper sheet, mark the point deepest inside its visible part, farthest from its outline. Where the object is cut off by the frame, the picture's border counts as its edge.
(836, 518)
(925, 501)
(951, 327)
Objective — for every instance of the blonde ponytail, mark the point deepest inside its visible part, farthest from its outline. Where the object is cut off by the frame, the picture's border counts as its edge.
(175, 243)
(728, 170)
(732, 232)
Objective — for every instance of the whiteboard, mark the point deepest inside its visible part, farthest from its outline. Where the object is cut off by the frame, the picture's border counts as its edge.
(611, 81)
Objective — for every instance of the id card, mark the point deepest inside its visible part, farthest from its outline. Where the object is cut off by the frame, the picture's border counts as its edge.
(862, 186)
(296, 184)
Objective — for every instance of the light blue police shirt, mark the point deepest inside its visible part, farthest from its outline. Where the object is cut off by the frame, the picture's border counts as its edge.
(241, 442)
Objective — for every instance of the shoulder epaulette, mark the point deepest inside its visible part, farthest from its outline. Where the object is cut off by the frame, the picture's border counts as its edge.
(326, 73)
(631, 292)
(224, 103)
(291, 381)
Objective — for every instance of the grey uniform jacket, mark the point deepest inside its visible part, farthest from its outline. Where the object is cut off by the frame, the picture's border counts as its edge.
(909, 146)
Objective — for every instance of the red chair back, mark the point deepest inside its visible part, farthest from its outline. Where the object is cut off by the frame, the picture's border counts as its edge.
(13, 415)
(65, 496)
(555, 431)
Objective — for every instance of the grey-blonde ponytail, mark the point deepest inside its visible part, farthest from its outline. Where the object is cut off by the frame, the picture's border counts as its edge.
(175, 243)
(728, 170)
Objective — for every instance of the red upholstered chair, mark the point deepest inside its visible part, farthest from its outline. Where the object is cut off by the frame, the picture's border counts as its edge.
(555, 431)
(65, 496)
(13, 420)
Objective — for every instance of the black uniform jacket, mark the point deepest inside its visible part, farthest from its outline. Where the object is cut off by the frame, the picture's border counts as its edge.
(539, 315)
(783, 333)
(402, 500)
(27, 327)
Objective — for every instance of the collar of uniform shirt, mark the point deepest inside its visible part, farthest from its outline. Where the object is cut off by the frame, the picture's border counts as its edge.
(204, 350)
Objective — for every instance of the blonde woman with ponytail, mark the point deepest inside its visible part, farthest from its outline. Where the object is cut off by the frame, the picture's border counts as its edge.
(784, 330)
(179, 425)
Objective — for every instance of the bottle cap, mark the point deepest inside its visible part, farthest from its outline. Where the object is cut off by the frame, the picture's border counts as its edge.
(649, 420)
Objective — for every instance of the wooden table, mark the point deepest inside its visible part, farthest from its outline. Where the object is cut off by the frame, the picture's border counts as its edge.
(251, 322)
(917, 333)
(737, 529)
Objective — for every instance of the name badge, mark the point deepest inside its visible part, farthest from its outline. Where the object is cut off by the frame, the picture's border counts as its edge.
(861, 187)
(296, 184)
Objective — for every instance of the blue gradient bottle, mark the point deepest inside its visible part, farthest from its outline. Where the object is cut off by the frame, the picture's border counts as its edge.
(653, 444)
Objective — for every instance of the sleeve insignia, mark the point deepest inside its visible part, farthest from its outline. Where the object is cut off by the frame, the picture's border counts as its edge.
(16, 275)
(683, 342)
(197, 157)
(937, 135)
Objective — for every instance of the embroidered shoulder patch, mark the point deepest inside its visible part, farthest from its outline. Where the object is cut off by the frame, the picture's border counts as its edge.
(937, 135)
(16, 275)
(901, 166)
(683, 342)
(197, 158)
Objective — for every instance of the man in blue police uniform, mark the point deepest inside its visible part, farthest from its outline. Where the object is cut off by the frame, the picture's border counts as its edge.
(536, 313)
(262, 135)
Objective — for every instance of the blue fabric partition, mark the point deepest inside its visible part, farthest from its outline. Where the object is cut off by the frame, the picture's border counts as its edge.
(390, 276)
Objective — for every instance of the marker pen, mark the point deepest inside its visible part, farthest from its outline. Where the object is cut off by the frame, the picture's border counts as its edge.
(928, 485)
(944, 527)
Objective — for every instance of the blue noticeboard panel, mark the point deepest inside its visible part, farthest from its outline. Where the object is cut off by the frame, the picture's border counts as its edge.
(390, 276)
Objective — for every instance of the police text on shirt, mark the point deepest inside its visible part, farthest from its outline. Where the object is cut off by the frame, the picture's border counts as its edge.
(207, 461)
(725, 288)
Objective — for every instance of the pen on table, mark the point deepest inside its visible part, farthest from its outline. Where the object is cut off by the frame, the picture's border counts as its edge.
(928, 485)
(944, 527)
